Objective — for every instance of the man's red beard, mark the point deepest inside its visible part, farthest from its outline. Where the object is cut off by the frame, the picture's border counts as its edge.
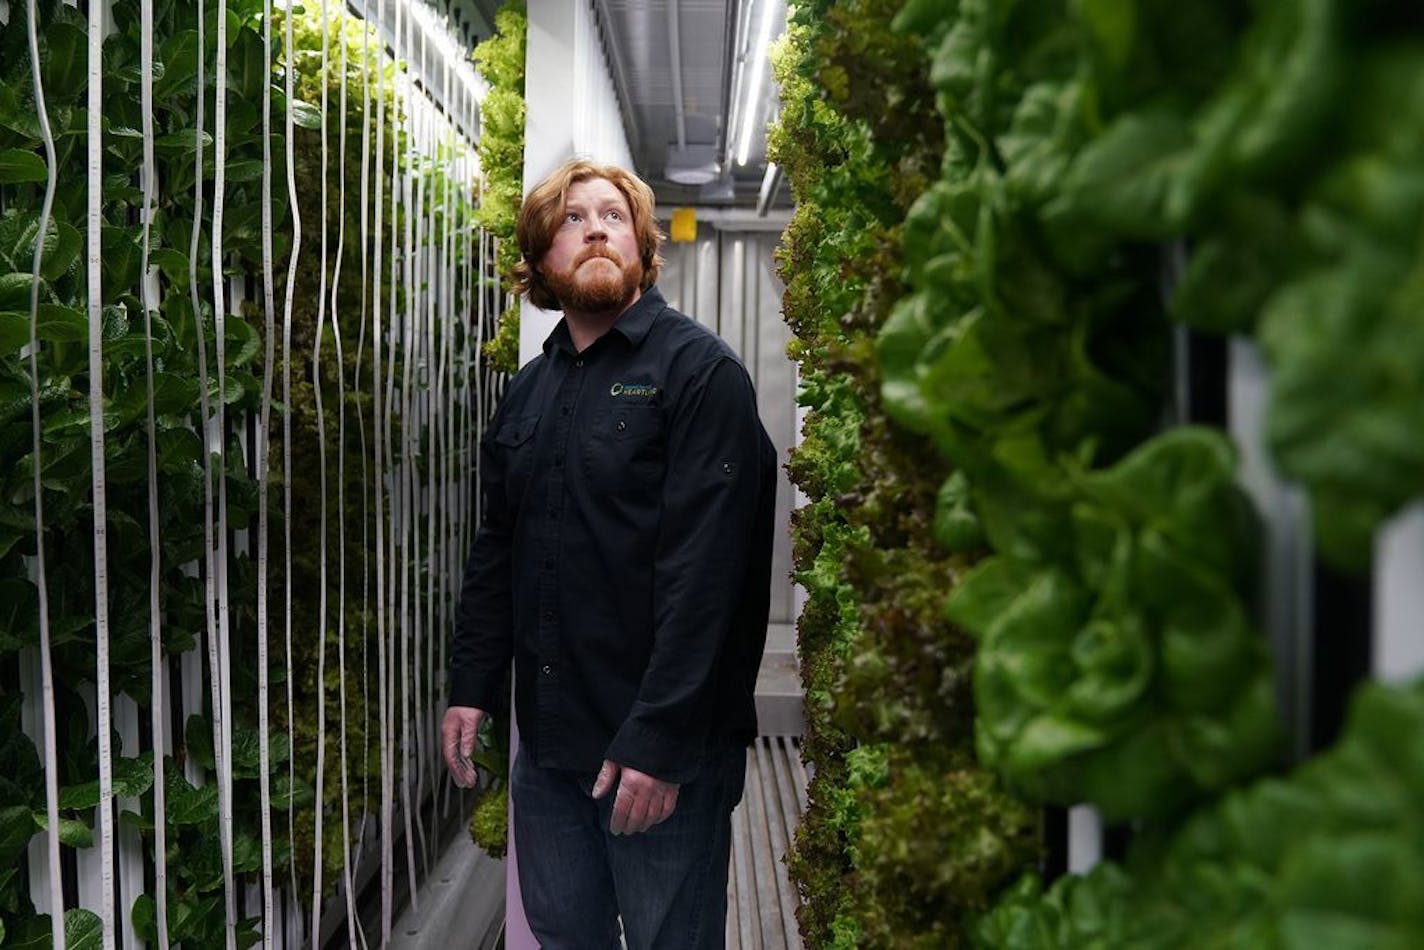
(597, 289)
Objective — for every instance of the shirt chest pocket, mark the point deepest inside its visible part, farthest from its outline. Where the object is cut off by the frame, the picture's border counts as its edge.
(514, 440)
(626, 450)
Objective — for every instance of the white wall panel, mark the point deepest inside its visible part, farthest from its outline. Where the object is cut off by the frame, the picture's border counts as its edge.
(727, 280)
(571, 112)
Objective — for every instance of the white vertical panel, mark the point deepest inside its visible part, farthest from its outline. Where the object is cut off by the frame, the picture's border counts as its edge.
(734, 290)
(1399, 597)
(98, 28)
(130, 842)
(706, 300)
(1085, 838)
(1287, 575)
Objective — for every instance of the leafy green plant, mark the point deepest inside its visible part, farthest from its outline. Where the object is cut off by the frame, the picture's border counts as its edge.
(1328, 856)
(1117, 661)
(501, 62)
(886, 678)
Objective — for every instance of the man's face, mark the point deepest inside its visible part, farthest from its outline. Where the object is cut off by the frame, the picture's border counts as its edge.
(593, 264)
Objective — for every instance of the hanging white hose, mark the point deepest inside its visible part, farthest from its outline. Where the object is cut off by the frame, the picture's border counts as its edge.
(380, 421)
(156, 662)
(320, 807)
(411, 192)
(96, 447)
(415, 356)
(291, 287)
(441, 490)
(209, 567)
(222, 672)
(348, 880)
(366, 54)
(51, 756)
(264, 747)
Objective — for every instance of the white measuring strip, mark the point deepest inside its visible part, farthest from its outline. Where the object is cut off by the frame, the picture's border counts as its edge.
(157, 666)
(95, 145)
(264, 444)
(51, 756)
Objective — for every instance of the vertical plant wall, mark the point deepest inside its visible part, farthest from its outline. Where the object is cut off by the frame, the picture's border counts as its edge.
(501, 146)
(1100, 564)
(905, 835)
(501, 151)
(287, 393)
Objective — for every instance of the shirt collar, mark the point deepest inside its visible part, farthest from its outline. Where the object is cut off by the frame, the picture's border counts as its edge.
(634, 323)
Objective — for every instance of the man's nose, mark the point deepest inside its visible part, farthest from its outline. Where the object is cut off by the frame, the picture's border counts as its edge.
(594, 230)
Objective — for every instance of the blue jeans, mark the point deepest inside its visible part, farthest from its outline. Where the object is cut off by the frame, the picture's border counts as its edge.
(669, 884)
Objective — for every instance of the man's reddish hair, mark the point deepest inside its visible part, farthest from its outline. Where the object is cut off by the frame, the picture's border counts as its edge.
(543, 212)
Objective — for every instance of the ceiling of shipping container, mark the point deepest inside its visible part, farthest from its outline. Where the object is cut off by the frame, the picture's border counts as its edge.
(686, 72)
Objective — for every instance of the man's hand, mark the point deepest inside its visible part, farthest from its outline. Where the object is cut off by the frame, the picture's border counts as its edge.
(642, 800)
(457, 741)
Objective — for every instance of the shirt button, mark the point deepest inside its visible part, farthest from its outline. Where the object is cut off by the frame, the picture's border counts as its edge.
(548, 615)
(548, 670)
(578, 363)
(726, 468)
(621, 425)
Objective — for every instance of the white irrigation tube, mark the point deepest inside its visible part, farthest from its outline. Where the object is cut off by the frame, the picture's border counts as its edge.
(348, 879)
(366, 45)
(95, 145)
(441, 490)
(264, 443)
(51, 756)
(156, 664)
(415, 401)
(222, 672)
(407, 514)
(380, 423)
(209, 567)
(320, 807)
(291, 287)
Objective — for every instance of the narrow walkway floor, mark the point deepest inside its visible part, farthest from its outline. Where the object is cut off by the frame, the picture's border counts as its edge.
(761, 905)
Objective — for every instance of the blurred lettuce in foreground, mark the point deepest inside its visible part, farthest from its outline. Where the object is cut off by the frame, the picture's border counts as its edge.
(1118, 664)
(1331, 856)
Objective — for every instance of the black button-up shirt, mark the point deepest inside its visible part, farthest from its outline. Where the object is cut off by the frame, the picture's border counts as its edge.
(624, 554)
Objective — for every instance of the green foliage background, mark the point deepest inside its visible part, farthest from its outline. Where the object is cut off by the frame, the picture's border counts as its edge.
(195, 900)
(987, 199)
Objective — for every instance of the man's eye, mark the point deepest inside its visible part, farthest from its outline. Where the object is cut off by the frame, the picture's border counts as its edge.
(616, 215)
(571, 217)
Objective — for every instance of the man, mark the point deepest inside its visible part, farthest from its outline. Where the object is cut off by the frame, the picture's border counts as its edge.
(623, 562)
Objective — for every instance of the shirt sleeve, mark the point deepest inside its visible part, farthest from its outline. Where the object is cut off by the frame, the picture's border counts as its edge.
(483, 640)
(704, 539)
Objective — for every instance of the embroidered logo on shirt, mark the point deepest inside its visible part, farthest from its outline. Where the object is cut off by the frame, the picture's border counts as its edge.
(632, 389)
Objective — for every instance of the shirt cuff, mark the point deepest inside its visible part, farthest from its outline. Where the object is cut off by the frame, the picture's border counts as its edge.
(471, 689)
(655, 752)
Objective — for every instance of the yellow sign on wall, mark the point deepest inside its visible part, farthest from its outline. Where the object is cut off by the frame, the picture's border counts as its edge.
(684, 224)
